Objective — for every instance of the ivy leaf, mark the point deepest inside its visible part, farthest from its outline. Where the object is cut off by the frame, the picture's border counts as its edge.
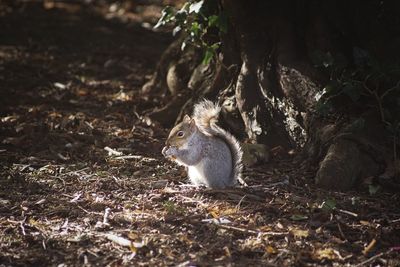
(195, 29)
(208, 55)
(373, 189)
(167, 15)
(321, 59)
(329, 204)
(352, 91)
(332, 88)
(323, 108)
(176, 30)
(184, 44)
(212, 21)
(222, 22)
(215, 46)
(181, 16)
(195, 7)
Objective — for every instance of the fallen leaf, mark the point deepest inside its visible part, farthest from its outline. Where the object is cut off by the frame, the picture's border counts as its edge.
(298, 233)
(326, 253)
(270, 249)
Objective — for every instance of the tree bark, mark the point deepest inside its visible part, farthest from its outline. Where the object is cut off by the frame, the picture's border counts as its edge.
(268, 79)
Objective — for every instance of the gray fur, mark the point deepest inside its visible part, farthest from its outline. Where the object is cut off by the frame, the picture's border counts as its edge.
(206, 115)
(212, 155)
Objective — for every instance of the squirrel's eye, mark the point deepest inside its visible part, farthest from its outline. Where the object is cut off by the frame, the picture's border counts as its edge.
(180, 134)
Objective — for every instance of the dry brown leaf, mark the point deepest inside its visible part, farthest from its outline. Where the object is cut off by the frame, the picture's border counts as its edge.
(298, 233)
(270, 249)
(326, 253)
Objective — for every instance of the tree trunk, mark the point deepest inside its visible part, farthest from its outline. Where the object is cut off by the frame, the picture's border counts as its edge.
(269, 86)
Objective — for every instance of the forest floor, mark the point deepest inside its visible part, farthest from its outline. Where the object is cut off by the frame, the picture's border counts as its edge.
(83, 181)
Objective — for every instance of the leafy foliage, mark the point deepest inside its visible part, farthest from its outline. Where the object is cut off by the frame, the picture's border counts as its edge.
(196, 21)
(364, 82)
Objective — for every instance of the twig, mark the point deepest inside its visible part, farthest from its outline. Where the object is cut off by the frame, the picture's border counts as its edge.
(348, 212)
(395, 220)
(369, 247)
(244, 230)
(123, 241)
(89, 212)
(118, 240)
(134, 157)
(390, 90)
(373, 258)
(112, 151)
(106, 214)
(22, 226)
(341, 231)
(240, 202)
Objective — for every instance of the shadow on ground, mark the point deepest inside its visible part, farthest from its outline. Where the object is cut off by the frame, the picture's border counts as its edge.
(70, 78)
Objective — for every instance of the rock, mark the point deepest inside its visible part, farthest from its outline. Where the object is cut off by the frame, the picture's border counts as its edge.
(254, 154)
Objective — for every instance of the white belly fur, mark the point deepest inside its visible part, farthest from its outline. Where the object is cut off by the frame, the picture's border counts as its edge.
(195, 176)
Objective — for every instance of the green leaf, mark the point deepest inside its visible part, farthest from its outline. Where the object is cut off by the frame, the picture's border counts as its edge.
(183, 45)
(195, 29)
(323, 108)
(373, 189)
(169, 206)
(213, 21)
(321, 59)
(353, 91)
(220, 21)
(167, 15)
(181, 16)
(176, 30)
(332, 88)
(215, 46)
(329, 204)
(298, 217)
(196, 6)
(223, 22)
(208, 55)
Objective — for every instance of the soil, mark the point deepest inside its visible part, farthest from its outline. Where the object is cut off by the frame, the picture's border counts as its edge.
(83, 181)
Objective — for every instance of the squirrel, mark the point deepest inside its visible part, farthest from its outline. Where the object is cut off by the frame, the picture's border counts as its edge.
(212, 155)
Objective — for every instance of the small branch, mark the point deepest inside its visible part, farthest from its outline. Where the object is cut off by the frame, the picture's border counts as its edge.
(112, 152)
(118, 240)
(373, 258)
(244, 230)
(240, 202)
(370, 246)
(105, 217)
(389, 90)
(341, 231)
(347, 212)
(21, 225)
(134, 157)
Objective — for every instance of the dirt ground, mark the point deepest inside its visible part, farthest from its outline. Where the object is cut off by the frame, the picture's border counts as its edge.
(83, 182)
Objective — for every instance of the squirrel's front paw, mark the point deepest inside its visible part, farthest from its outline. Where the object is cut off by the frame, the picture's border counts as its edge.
(164, 151)
(169, 152)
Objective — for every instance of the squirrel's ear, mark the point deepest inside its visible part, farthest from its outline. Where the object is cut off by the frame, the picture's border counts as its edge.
(187, 118)
(192, 124)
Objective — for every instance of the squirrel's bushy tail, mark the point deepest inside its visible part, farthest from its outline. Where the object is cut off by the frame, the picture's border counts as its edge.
(206, 114)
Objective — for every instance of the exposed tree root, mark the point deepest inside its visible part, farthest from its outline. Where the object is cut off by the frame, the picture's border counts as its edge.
(264, 74)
